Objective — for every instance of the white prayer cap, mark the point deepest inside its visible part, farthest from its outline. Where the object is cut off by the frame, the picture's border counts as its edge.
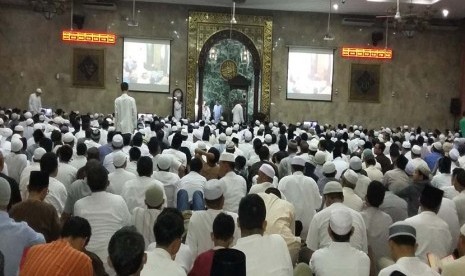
(230, 145)
(6, 132)
(117, 141)
(38, 90)
(16, 145)
(424, 169)
(261, 126)
(313, 145)
(112, 128)
(19, 128)
(119, 158)
(68, 137)
(154, 196)
(1, 121)
(41, 118)
(174, 128)
(340, 221)
(320, 157)
(416, 149)
(388, 131)
(223, 123)
(406, 145)
(38, 153)
(236, 127)
(362, 135)
(357, 132)
(228, 131)
(201, 145)
(5, 192)
(361, 143)
(268, 138)
(355, 163)
(402, 228)
(184, 132)
(299, 161)
(197, 133)
(437, 145)
(329, 167)
(164, 161)
(213, 189)
(16, 136)
(332, 187)
(462, 230)
(222, 137)
(350, 176)
(227, 157)
(257, 122)
(267, 170)
(28, 115)
(454, 154)
(247, 135)
(29, 122)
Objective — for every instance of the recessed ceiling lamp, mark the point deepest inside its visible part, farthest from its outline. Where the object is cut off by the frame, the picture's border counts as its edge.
(445, 12)
(336, 7)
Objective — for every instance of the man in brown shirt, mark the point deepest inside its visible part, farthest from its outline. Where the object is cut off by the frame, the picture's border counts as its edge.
(39, 215)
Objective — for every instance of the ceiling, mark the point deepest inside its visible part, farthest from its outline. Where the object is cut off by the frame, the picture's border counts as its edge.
(361, 7)
(355, 7)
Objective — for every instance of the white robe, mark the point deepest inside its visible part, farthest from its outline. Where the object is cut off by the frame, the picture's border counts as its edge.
(125, 114)
(35, 103)
(238, 114)
(217, 111)
(177, 110)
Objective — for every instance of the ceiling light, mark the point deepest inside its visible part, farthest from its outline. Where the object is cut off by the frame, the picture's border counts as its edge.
(445, 12)
(336, 6)
(328, 37)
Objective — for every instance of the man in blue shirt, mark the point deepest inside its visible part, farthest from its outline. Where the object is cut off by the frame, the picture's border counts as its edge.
(432, 158)
(14, 237)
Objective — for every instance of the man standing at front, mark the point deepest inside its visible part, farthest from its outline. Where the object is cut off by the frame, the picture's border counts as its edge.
(125, 111)
(238, 114)
(217, 111)
(35, 101)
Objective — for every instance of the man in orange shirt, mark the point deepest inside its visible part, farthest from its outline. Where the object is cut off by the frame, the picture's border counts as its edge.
(63, 256)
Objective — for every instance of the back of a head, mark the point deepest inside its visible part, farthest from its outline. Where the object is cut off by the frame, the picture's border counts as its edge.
(49, 163)
(126, 251)
(134, 154)
(93, 154)
(97, 177)
(145, 166)
(38, 181)
(81, 149)
(76, 227)
(168, 227)
(216, 153)
(196, 165)
(124, 86)
(240, 162)
(444, 165)
(137, 139)
(228, 262)
(402, 162)
(47, 144)
(153, 145)
(274, 191)
(252, 212)
(264, 153)
(177, 141)
(394, 150)
(38, 135)
(375, 193)
(223, 227)
(65, 153)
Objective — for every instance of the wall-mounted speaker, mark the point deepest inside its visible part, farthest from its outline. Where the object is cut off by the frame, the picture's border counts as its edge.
(78, 21)
(376, 37)
(455, 106)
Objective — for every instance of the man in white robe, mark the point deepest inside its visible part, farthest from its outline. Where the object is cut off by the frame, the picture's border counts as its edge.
(125, 111)
(238, 114)
(35, 101)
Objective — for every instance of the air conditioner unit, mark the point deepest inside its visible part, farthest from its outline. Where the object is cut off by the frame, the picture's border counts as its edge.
(100, 5)
(442, 25)
(358, 22)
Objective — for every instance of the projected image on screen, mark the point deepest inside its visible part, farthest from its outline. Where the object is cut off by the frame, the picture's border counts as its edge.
(146, 64)
(310, 74)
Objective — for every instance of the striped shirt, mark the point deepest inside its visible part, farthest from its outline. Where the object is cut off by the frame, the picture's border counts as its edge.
(56, 258)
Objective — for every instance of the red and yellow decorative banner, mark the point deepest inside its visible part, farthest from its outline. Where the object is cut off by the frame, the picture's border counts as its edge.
(367, 53)
(88, 37)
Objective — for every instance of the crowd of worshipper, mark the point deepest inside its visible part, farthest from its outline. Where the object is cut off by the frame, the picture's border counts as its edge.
(78, 197)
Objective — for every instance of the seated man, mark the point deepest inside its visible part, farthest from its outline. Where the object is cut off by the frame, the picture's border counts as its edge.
(15, 237)
(63, 256)
(191, 188)
(222, 236)
(402, 243)
(168, 230)
(350, 261)
(265, 254)
(126, 252)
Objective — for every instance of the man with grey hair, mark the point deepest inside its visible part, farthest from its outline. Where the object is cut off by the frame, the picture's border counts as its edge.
(14, 237)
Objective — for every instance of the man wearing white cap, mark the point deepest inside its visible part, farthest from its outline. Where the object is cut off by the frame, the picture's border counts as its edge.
(363, 181)
(144, 217)
(16, 160)
(246, 146)
(234, 185)
(15, 191)
(169, 179)
(117, 145)
(402, 242)
(340, 258)
(340, 164)
(415, 160)
(33, 166)
(265, 177)
(133, 190)
(351, 199)
(302, 192)
(457, 267)
(120, 176)
(125, 111)
(436, 153)
(217, 111)
(318, 236)
(200, 224)
(15, 237)
(35, 101)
